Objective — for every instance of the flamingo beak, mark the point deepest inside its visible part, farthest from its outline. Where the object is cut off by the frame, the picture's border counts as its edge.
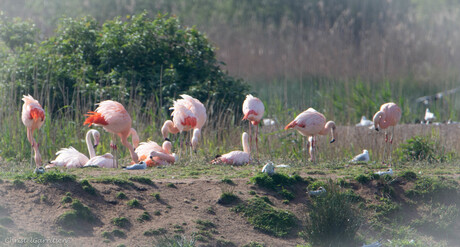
(377, 129)
(333, 140)
(167, 139)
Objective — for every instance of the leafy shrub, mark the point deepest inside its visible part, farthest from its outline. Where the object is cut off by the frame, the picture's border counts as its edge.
(417, 148)
(409, 175)
(332, 221)
(227, 198)
(362, 179)
(120, 221)
(267, 218)
(141, 55)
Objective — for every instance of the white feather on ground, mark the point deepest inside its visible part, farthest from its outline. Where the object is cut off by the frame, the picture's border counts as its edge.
(363, 157)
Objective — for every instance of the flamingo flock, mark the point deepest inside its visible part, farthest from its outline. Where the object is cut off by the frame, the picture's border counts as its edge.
(188, 116)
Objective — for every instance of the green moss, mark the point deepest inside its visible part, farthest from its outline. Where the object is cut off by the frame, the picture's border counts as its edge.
(171, 185)
(156, 195)
(121, 195)
(275, 181)
(134, 203)
(227, 198)
(55, 176)
(118, 233)
(267, 218)
(120, 222)
(155, 232)
(75, 217)
(142, 180)
(66, 199)
(409, 175)
(87, 187)
(287, 194)
(114, 180)
(437, 189)
(144, 216)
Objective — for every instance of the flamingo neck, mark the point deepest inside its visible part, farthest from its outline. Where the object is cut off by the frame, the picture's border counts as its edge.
(89, 144)
(195, 138)
(168, 127)
(124, 141)
(245, 141)
(167, 147)
(134, 137)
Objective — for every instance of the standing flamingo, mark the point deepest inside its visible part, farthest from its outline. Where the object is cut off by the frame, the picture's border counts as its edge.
(189, 114)
(71, 158)
(115, 119)
(33, 117)
(389, 115)
(311, 123)
(253, 110)
(162, 155)
(236, 157)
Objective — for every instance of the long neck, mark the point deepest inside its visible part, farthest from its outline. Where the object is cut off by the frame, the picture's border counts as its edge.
(167, 157)
(134, 137)
(330, 126)
(245, 140)
(124, 141)
(89, 144)
(195, 138)
(379, 120)
(168, 127)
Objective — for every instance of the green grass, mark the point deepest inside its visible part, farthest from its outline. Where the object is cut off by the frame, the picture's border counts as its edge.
(144, 216)
(142, 180)
(134, 203)
(121, 195)
(120, 221)
(267, 218)
(6, 221)
(87, 187)
(155, 232)
(156, 195)
(227, 198)
(79, 214)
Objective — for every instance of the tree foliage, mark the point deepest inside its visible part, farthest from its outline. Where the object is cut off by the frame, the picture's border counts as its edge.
(133, 58)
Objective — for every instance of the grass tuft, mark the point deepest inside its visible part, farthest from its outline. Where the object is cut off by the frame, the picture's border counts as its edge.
(134, 203)
(227, 198)
(120, 221)
(142, 180)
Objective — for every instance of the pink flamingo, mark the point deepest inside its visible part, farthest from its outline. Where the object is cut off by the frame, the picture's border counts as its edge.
(188, 114)
(114, 118)
(161, 156)
(311, 123)
(71, 158)
(253, 110)
(389, 115)
(236, 157)
(33, 117)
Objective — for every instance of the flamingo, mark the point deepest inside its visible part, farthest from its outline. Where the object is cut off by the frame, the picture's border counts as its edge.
(33, 117)
(253, 110)
(311, 123)
(236, 157)
(389, 115)
(71, 158)
(162, 156)
(116, 120)
(189, 114)
(104, 161)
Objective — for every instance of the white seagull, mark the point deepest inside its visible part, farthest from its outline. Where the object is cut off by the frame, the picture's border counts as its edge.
(317, 192)
(269, 168)
(363, 157)
(364, 122)
(429, 116)
(381, 173)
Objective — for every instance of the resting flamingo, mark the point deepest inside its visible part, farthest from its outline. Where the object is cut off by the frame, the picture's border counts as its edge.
(236, 157)
(311, 123)
(253, 110)
(389, 115)
(162, 155)
(33, 117)
(114, 118)
(72, 158)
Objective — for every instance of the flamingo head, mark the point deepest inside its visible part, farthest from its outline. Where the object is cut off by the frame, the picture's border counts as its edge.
(167, 146)
(96, 137)
(377, 118)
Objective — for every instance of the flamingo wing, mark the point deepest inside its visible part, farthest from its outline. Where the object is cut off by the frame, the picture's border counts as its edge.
(70, 158)
(104, 161)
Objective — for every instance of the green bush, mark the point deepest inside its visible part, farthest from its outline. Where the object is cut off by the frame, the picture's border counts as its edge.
(409, 175)
(137, 54)
(436, 189)
(263, 216)
(332, 221)
(362, 179)
(134, 203)
(418, 148)
(120, 222)
(227, 198)
(74, 218)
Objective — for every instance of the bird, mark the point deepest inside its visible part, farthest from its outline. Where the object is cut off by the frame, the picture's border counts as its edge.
(364, 122)
(269, 168)
(114, 118)
(388, 115)
(72, 158)
(387, 172)
(363, 157)
(145, 149)
(104, 161)
(33, 117)
(139, 166)
(429, 116)
(236, 157)
(253, 110)
(189, 114)
(311, 123)
(317, 192)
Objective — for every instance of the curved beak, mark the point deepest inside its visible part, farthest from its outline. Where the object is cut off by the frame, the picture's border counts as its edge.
(377, 129)
(167, 139)
(333, 140)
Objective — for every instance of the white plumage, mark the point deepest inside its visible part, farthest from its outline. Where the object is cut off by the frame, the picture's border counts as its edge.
(389, 172)
(317, 192)
(363, 157)
(104, 161)
(236, 157)
(429, 116)
(269, 168)
(364, 122)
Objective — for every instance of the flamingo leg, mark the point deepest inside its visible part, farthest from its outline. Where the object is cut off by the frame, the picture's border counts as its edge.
(250, 135)
(31, 145)
(113, 146)
(391, 142)
(305, 148)
(385, 147)
(257, 141)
